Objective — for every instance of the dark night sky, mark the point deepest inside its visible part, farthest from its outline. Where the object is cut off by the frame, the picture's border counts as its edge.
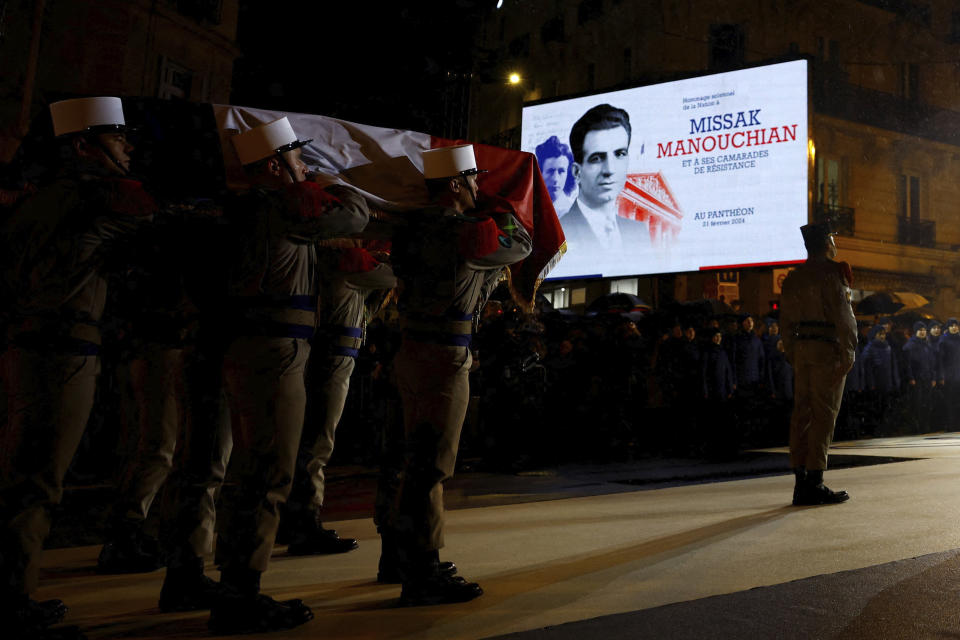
(371, 62)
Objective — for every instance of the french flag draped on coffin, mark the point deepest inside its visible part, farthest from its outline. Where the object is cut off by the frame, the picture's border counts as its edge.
(385, 165)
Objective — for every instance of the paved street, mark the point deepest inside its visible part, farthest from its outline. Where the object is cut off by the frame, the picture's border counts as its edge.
(725, 559)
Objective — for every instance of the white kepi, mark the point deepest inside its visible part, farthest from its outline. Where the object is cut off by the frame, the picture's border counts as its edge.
(86, 114)
(448, 162)
(265, 140)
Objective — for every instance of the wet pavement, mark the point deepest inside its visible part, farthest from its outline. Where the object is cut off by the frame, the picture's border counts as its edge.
(672, 549)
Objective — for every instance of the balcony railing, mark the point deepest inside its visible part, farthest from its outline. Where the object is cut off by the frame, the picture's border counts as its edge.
(841, 219)
(835, 96)
(917, 233)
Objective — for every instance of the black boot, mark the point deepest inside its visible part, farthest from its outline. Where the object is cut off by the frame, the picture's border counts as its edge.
(816, 493)
(311, 539)
(800, 480)
(20, 612)
(186, 588)
(26, 619)
(423, 584)
(388, 570)
(129, 550)
(256, 614)
(246, 610)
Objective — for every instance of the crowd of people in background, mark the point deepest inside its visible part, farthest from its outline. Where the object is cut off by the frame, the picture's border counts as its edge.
(706, 385)
(905, 379)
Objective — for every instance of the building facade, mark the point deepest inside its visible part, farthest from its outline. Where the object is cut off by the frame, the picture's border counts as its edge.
(885, 122)
(176, 49)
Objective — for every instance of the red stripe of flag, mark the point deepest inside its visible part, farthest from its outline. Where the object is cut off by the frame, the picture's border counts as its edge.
(753, 264)
(515, 176)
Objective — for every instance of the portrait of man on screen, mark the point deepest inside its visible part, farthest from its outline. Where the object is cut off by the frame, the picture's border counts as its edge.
(600, 143)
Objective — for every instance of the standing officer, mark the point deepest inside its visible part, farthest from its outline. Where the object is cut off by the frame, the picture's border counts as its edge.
(353, 274)
(448, 262)
(920, 368)
(57, 248)
(273, 284)
(820, 340)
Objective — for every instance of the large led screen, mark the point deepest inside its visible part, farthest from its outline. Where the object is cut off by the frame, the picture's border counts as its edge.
(695, 174)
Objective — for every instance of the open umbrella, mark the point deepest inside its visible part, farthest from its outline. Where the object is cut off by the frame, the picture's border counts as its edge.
(910, 299)
(880, 303)
(625, 304)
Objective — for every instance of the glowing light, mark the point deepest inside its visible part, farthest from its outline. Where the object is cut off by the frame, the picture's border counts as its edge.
(499, 3)
(515, 78)
(811, 150)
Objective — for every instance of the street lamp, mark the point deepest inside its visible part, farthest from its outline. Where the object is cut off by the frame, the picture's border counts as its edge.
(514, 78)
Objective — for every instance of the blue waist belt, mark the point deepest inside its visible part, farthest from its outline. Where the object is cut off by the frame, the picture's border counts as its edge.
(342, 330)
(278, 317)
(451, 328)
(347, 340)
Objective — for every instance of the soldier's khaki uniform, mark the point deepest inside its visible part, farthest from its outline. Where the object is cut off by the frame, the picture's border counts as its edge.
(153, 412)
(55, 248)
(820, 340)
(209, 438)
(178, 320)
(157, 316)
(275, 294)
(339, 339)
(205, 454)
(443, 286)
